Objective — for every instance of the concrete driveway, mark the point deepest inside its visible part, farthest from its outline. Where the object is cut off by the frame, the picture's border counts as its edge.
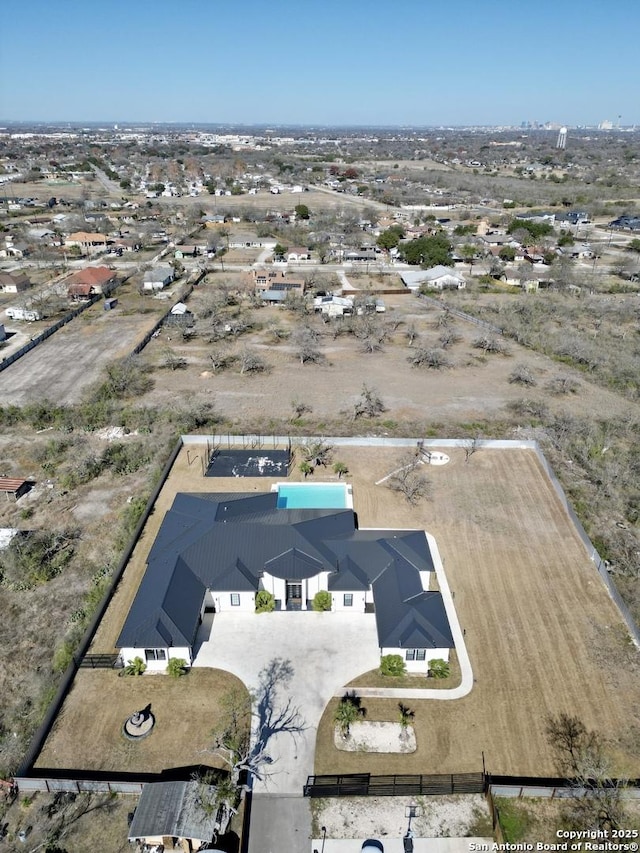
(326, 651)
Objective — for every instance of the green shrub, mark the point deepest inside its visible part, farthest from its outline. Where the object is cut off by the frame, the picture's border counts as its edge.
(176, 667)
(134, 667)
(392, 665)
(321, 600)
(265, 601)
(439, 668)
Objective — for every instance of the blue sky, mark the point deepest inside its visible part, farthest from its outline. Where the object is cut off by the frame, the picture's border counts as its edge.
(415, 62)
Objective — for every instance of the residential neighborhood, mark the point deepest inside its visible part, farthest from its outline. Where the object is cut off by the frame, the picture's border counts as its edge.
(319, 385)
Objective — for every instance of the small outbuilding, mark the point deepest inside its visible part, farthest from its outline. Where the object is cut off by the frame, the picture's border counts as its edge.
(13, 487)
(178, 816)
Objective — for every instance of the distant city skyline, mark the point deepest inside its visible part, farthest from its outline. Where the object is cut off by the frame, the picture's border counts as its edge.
(414, 63)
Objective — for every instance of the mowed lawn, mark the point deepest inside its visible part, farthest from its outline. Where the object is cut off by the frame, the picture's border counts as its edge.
(542, 633)
(87, 734)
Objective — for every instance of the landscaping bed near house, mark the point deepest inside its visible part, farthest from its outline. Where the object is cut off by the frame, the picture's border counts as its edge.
(376, 737)
(374, 678)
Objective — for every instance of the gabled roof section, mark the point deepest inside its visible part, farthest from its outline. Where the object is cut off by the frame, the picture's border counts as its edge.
(349, 577)
(236, 578)
(294, 565)
(408, 617)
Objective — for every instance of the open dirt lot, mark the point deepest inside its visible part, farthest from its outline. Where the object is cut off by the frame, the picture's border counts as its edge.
(64, 365)
(475, 387)
(542, 633)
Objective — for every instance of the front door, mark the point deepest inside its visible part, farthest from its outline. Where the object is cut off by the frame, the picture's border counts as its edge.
(294, 595)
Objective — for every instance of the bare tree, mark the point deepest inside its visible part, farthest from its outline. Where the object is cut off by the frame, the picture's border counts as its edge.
(407, 480)
(522, 375)
(369, 404)
(490, 344)
(307, 346)
(251, 362)
(431, 358)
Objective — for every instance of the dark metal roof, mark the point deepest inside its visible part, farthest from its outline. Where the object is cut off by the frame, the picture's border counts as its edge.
(226, 542)
(407, 617)
(174, 809)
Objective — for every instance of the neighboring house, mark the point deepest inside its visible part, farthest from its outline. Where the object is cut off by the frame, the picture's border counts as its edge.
(250, 241)
(88, 242)
(577, 252)
(173, 816)
(216, 551)
(278, 282)
(157, 278)
(499, 240)
(184, 251)
(333, 306)
(14, 282)
(91, 281)
(296, 254)
(436, 278)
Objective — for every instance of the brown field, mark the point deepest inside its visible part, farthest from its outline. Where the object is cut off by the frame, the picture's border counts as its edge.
(475, 387)
(87, 733)
(63, 366)
(542, 633)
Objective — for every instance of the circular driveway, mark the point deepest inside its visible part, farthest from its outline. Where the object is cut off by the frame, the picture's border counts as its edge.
(325, 652)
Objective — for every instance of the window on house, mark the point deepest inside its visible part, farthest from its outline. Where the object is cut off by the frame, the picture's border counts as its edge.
(415, 654)
(348, 599)
(235, 599)
(155, 654)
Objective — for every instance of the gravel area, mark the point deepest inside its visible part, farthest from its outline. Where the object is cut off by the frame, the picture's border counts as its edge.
(376, 737)
(377, 817)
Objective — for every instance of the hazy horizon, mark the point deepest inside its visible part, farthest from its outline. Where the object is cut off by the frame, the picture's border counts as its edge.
(415, 64)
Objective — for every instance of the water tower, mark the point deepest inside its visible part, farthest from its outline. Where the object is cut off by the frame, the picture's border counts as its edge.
(561, 144)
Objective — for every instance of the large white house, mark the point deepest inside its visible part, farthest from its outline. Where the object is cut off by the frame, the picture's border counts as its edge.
(215, 552)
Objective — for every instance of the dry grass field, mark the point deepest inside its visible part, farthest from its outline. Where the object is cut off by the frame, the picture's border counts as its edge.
(63, 366)
(542, 633)
(475, 387)
(87, 733)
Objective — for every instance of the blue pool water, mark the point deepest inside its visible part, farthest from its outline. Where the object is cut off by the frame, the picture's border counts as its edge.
(312, 496)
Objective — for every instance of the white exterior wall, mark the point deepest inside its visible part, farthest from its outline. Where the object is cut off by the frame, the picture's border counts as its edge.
(157, 665)
(222, 602)
(359, 599)
(418, 666)
(275, 586)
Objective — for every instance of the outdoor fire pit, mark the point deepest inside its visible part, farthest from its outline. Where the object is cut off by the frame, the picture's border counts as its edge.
(139, 724)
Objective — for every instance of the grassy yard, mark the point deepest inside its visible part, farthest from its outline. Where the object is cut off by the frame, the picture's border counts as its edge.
(88, 732)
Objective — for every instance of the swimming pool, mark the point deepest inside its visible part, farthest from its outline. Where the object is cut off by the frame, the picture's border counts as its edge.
(314, 496)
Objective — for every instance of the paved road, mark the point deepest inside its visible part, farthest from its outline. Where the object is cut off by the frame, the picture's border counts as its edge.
(280, 824)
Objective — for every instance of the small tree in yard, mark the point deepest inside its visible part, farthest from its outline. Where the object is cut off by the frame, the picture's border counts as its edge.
(177, 667)
(347, 713)
(439, 668)
(251, 362)
(408, 481)
(435, 359)
(340, 469)
(405, 716)
(321, 601)
(392, 665)
(306, 468)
